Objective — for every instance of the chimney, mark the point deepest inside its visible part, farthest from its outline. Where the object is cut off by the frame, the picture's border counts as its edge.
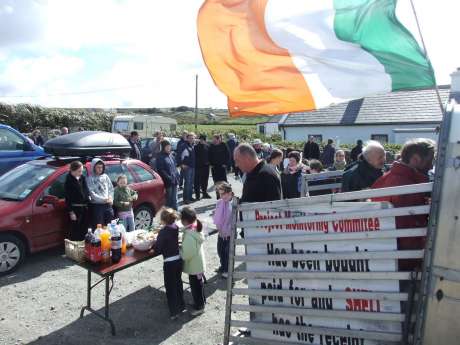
(455, 84)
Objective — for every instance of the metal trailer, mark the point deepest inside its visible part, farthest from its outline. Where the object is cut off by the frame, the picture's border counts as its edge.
(435, 311)
(438, 317)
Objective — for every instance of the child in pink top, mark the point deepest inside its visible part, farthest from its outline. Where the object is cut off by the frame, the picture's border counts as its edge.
(223, 220)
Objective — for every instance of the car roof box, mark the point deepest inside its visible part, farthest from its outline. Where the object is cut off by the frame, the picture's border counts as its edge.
(88, 143)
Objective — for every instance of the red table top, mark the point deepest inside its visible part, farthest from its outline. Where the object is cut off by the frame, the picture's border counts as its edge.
(131, 258)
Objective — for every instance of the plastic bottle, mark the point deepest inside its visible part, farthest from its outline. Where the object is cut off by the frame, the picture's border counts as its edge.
(123, 243)
(116, 246)
(88, 240)
(105, 245)
(97, 232)
(112, 226)
(96, 250)
(122, 230)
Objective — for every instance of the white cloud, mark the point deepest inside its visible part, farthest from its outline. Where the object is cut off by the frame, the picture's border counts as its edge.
(40, 76)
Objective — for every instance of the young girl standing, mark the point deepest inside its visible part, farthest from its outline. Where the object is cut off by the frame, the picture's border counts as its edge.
(167, 244)
(193, 256)
(223, 220)
(123, 201)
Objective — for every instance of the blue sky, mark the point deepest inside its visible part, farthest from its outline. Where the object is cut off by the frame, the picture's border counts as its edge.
(143, 53)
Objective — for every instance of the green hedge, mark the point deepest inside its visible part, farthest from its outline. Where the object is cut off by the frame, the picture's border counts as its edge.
(26, 118)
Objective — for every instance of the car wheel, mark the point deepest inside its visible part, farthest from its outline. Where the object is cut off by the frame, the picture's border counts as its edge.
(12, 253)
(143, 217)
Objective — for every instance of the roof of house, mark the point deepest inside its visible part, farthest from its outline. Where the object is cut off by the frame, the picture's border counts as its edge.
(272, 119)
(400, 107)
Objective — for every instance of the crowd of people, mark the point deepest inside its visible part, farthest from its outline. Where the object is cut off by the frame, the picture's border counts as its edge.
(268, 174)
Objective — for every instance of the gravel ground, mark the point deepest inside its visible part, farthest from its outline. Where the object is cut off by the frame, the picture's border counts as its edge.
(40, 304)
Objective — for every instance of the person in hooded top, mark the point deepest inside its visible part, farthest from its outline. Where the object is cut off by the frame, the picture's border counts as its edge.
(77, 199)
(167, 244)
(192, 254)
(101, 193)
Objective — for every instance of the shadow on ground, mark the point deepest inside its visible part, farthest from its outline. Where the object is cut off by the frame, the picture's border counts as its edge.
(37, 264)
(140, 318)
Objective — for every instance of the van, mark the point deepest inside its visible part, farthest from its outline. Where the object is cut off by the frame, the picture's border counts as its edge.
(16, 149)
(145, 125)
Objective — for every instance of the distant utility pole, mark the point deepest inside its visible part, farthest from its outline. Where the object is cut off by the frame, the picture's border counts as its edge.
(196, 103)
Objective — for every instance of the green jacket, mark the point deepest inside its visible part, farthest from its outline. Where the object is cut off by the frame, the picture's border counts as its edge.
(122, 195)
(192, 252)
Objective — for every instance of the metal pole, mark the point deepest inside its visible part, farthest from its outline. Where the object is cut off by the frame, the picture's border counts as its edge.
(231, 264)
(426, 55)
(196, 103)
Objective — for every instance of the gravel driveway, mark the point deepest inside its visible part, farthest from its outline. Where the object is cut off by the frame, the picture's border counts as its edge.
(41, 302)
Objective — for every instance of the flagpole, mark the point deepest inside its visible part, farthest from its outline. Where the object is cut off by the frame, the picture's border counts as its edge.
(426, 54)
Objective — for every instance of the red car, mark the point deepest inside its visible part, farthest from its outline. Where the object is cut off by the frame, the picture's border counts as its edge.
(32, 206)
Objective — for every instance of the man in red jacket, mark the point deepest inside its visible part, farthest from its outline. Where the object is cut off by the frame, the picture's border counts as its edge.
(416, 160)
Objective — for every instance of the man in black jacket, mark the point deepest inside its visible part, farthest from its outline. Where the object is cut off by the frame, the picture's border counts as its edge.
(202, 168)
(356, 151)
(311, 149)
(365, 171)
(262, 182)
(219, 158)
(134, 142)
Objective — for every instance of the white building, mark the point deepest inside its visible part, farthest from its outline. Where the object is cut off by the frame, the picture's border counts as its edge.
(388, 118)
(271, 126)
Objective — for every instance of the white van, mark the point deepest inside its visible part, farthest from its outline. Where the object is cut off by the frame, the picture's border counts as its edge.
(145, 125)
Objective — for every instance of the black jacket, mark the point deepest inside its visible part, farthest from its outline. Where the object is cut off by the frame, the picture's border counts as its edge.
(201, 155)
(75, 191)
(262, 184)
(219, 155)
(167, 242)
(359, 176)
(355, 152)
(135, 152)
(311, 150)
(166, 167)
(290, 183)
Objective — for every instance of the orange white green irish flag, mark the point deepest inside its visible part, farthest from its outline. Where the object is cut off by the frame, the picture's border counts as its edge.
(282, 56)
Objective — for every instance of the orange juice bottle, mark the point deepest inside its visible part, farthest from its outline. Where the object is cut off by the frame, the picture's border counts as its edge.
(105, 245)
(123, 244)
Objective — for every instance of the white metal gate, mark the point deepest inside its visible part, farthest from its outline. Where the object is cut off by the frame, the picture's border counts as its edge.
(323, 271)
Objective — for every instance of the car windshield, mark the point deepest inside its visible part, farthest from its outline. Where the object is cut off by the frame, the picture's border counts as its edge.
(18, 183)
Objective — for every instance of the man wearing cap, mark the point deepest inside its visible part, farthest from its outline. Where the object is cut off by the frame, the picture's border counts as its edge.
(202, 168)
(257, 145)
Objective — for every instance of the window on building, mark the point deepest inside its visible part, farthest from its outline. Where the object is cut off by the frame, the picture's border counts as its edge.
(381, 138)
(262, 129)
(138, 126)
(317, 137)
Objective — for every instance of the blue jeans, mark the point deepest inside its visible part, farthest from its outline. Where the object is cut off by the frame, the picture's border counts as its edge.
(189, 179)
(128, 222)
(171, 197)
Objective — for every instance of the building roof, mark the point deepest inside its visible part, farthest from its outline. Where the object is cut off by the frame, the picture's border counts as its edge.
(400, 107)
(273, 119)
